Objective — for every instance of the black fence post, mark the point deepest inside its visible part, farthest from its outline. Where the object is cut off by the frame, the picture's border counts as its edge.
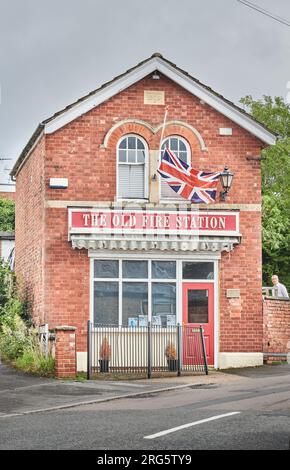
(89, 351)
(203, 350)
(149, 350)
(178, 349)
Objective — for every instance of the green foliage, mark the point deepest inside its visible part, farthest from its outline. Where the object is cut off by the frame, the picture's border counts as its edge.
(7, 283)
(14, 338)
(7, 215)
(34, 362)
(275, 114)
(19, 341)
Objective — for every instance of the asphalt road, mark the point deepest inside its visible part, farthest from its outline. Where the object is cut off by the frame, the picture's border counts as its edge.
(243, 410)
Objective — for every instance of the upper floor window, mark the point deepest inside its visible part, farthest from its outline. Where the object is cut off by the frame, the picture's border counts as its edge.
(180, 148)
(132, 155)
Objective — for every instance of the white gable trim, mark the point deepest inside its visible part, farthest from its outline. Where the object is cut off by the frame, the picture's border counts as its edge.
(175, 75)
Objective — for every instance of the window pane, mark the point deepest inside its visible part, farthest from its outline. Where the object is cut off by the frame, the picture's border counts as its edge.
(173, 144)
(198, 270)
(182, 146)
(122, 155)
(164, 304)
(135, 303)
(163, 269)
(140, 156)
(106, 268)
(183, 156)
(135, 269)
(198, 306)
(131, 142)
(131, 156)
(166, 144)
(106, 303)
(140, 144)
(123, 144)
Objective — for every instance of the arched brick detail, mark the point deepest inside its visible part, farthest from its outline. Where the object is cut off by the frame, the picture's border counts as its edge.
(143, 129)
(197, 153)
(152, 134)
(189, 133)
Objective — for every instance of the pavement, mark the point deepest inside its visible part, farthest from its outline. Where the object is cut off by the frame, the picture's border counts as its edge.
(22, 393)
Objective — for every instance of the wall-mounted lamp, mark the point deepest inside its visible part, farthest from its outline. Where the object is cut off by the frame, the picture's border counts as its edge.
(155, 76)
(226, 178)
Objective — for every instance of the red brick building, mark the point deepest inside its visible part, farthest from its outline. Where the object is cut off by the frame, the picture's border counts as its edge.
(100, 237)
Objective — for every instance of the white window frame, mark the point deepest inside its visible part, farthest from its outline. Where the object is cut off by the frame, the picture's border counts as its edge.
(188, 150)
(146, 170)
(214, 257)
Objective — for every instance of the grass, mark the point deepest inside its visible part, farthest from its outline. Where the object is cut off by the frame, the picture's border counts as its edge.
(35, 363)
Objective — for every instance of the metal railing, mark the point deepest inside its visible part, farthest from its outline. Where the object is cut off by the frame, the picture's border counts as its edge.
(145, 350)
(272, 292)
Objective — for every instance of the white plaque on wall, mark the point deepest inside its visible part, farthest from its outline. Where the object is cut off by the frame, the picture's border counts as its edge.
(153, 97)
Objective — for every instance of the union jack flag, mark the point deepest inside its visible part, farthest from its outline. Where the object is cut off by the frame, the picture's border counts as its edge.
(196, 186)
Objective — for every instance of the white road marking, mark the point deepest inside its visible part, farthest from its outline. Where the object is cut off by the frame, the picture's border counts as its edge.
(188, 425)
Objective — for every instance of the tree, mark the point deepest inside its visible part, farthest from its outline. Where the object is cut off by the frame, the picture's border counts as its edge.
(275, 114)
(7, 215)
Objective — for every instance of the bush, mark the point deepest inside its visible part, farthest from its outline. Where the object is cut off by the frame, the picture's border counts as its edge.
(19, 341)
(16, 337)
(7, 215)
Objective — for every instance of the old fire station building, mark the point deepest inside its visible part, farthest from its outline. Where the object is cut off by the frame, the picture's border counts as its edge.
(99, 236)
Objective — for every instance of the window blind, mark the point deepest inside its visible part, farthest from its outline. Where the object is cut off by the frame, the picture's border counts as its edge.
(131, 181)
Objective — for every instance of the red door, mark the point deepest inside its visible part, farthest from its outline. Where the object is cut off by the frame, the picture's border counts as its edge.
(198, 309)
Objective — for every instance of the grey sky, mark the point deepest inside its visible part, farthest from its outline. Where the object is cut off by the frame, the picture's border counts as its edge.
(53, 52)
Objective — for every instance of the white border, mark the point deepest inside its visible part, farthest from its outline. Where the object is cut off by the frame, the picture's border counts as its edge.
(179, 77)
(128, 231)
(146, 166)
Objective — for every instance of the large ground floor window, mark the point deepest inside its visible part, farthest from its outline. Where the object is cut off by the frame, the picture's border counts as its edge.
(133, 292)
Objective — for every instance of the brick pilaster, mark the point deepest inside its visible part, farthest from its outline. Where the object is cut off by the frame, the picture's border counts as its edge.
(65, 351)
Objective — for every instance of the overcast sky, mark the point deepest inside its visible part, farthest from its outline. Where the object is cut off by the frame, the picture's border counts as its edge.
(53, 52)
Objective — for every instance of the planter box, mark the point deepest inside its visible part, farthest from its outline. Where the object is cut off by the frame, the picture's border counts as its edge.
(104, 365)
(172, 365)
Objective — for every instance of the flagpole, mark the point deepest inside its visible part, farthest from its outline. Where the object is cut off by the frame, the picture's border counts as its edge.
(162, 133)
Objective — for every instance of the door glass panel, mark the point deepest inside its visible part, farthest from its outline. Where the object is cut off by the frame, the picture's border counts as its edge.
(135, 303)
(197, 306)
(196, 270)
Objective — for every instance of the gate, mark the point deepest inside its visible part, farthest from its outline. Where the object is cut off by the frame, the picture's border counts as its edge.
(146, 350)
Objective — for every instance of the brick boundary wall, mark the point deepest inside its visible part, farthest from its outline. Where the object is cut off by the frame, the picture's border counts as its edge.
(10, 196)
(65, 351)
(276, 324)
